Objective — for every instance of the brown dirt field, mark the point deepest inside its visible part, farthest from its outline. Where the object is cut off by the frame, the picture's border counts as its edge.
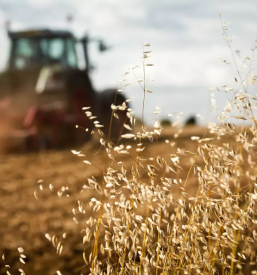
(25, 219)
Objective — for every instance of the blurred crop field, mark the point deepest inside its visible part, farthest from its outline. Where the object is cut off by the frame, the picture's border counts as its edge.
(39, 192)
(29, 208)
(164, 191)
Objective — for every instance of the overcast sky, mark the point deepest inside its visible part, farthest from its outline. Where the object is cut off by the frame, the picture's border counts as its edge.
(186, 36)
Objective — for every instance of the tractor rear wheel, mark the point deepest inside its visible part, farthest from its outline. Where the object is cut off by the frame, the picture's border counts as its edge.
(104, 101)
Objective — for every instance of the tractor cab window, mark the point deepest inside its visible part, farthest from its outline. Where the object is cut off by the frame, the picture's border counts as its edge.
(71, 53)
(25, 51)
(43, 51)
(63, 51)
(56, 50)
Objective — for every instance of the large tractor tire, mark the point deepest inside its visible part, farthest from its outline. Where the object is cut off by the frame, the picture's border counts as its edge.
(103, 102)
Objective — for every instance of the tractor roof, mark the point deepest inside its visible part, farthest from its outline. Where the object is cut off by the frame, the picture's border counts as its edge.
(40, 33)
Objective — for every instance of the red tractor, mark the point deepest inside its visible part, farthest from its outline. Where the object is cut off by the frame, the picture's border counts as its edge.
(43, 91)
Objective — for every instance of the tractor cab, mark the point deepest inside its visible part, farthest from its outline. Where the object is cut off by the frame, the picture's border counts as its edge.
(37, 48)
